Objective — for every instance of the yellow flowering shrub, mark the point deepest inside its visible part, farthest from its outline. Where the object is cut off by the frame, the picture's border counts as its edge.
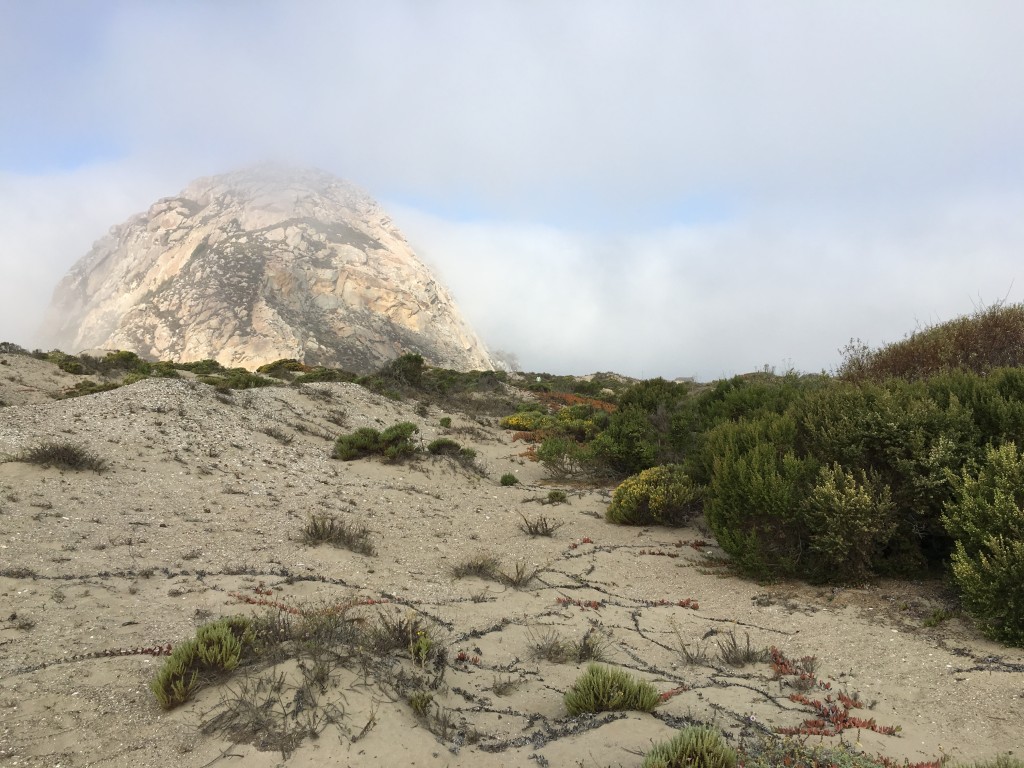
(663, 495)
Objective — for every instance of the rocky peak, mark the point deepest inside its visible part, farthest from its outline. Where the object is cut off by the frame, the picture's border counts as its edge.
(257, 265)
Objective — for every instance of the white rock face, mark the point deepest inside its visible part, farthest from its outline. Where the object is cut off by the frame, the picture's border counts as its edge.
(259, 265)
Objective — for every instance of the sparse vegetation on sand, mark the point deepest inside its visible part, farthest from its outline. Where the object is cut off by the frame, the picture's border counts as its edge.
(62, 455)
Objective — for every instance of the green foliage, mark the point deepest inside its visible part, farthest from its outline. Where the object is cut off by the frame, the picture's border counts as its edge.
(285, 368)
(849, 518)
(986, 519)
(89, 387)
(201, 367)
(237, 378)
(605, 689)
(509, 479)
(62, 455)
(557, 497)
(324, 374)
(445, 422)
(692, 747)
(662, 495)
(443, 446)
(393, 444)
(563, 456)
(755, 494)
(217, 649)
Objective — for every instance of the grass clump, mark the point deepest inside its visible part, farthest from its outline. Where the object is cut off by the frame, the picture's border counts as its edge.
(663, 495)
(556, 497)
(604, 689)
(509, 479)
(62, 455)
(329, 529)
(693, 747)
(217, 648)
(539, 526)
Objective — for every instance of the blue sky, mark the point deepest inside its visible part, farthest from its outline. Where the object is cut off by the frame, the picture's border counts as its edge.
(658, 187)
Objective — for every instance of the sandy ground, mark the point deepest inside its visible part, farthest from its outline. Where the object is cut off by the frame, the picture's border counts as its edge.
(200, 514)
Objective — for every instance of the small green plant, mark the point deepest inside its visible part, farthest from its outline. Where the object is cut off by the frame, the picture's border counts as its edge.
(446, 422)
(539, 526)
(557, 497)
(693, 747)
(937, 617)
(217, 648)
(605, 689)
(420, 701)
(662, 495)
(329, 529)
(62, 455)
(421, 646)
(509, 479)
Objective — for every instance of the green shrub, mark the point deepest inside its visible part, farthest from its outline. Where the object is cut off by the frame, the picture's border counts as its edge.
(849, 519)
(201, 367)
(604, 689)
(237, 378)
(692, 747)
(217, 649)
(396, 441)
(324, 374)
(662, 495)
(443, 446)
(509, 479)
(393, 444)
(564, 457)
(446, 422)
(283, 369)
(986, 519)
(365, 441)
(557, 497)
(755, 496)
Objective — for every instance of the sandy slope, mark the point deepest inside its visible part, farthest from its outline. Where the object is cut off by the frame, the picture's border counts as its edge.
(201, 510)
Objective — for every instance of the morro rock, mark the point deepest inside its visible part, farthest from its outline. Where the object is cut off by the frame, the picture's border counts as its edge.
(258, 265)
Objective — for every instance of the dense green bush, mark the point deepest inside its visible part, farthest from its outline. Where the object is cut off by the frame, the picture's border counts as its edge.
(692, 747)
(393, 444)
(662, 495)
(849, 519)
(986, 519)
(757, 487)
(444, 446)
(324, 374)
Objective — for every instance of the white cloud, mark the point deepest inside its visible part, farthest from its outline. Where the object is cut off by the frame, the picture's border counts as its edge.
(659, 187)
